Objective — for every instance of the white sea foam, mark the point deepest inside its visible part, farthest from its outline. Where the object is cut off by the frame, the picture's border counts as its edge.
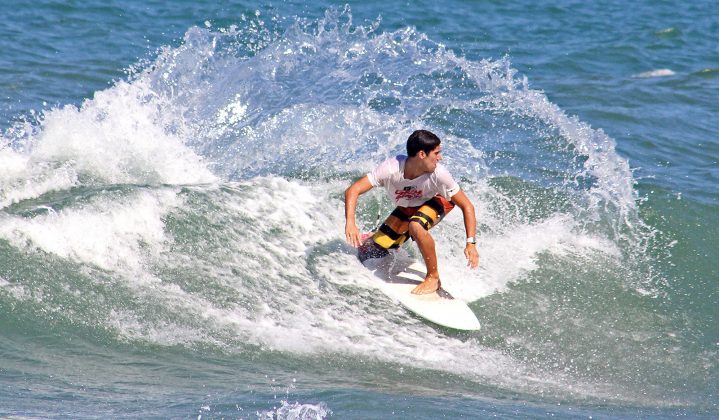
(295, 308)
(24, 177)
(316, 138)
(510, 256)
(291, 264)
(296, 411)
(106, 234)
(655, 73)
(118, 137)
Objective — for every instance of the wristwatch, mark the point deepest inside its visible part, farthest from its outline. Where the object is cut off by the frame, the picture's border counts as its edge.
(471, 240)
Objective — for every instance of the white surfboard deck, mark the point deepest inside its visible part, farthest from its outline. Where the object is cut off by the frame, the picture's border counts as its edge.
(400, 274)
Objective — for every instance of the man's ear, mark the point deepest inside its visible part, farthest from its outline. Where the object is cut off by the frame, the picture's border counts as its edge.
(421, 154)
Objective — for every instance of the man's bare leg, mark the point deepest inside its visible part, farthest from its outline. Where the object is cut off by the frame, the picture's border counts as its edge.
(425, 243)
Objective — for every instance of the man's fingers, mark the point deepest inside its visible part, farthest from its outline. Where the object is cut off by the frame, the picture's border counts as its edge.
(472, 258)
(353, 239)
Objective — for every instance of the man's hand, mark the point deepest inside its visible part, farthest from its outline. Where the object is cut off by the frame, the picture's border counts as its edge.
(470, 251)
(360, 187)
(352, 234)
(470, 226)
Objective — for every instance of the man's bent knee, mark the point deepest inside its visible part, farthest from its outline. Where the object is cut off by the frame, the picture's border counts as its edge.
(417, 228)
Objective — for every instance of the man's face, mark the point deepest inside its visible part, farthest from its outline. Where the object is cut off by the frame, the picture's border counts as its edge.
(432, 158)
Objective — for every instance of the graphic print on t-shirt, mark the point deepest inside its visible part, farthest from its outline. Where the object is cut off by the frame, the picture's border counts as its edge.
(409, 193)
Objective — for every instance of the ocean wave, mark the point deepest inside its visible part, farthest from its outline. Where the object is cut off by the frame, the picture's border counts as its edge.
(231, 152)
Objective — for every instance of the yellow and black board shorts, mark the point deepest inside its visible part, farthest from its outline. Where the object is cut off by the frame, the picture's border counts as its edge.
(395, 229)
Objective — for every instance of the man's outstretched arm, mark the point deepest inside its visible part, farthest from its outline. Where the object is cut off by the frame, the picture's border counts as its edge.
(470, 226)
(360, 187)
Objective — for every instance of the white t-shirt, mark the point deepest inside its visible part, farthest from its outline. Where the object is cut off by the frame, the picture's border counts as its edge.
(412, 192)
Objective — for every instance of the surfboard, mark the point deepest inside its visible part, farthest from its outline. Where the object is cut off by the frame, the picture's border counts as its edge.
(399, 273)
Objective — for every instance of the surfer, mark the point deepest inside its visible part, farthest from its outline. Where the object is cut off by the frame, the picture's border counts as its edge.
(424, 192)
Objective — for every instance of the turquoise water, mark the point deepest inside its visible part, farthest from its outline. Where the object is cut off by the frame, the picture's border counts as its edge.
(171, 181)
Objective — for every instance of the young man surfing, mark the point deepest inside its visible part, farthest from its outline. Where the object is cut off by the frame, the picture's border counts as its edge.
(424, 192)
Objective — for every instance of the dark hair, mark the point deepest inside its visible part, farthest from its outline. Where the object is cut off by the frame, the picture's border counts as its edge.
(422, 140)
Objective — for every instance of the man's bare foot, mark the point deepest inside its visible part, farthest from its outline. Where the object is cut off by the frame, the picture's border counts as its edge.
(430, 285)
